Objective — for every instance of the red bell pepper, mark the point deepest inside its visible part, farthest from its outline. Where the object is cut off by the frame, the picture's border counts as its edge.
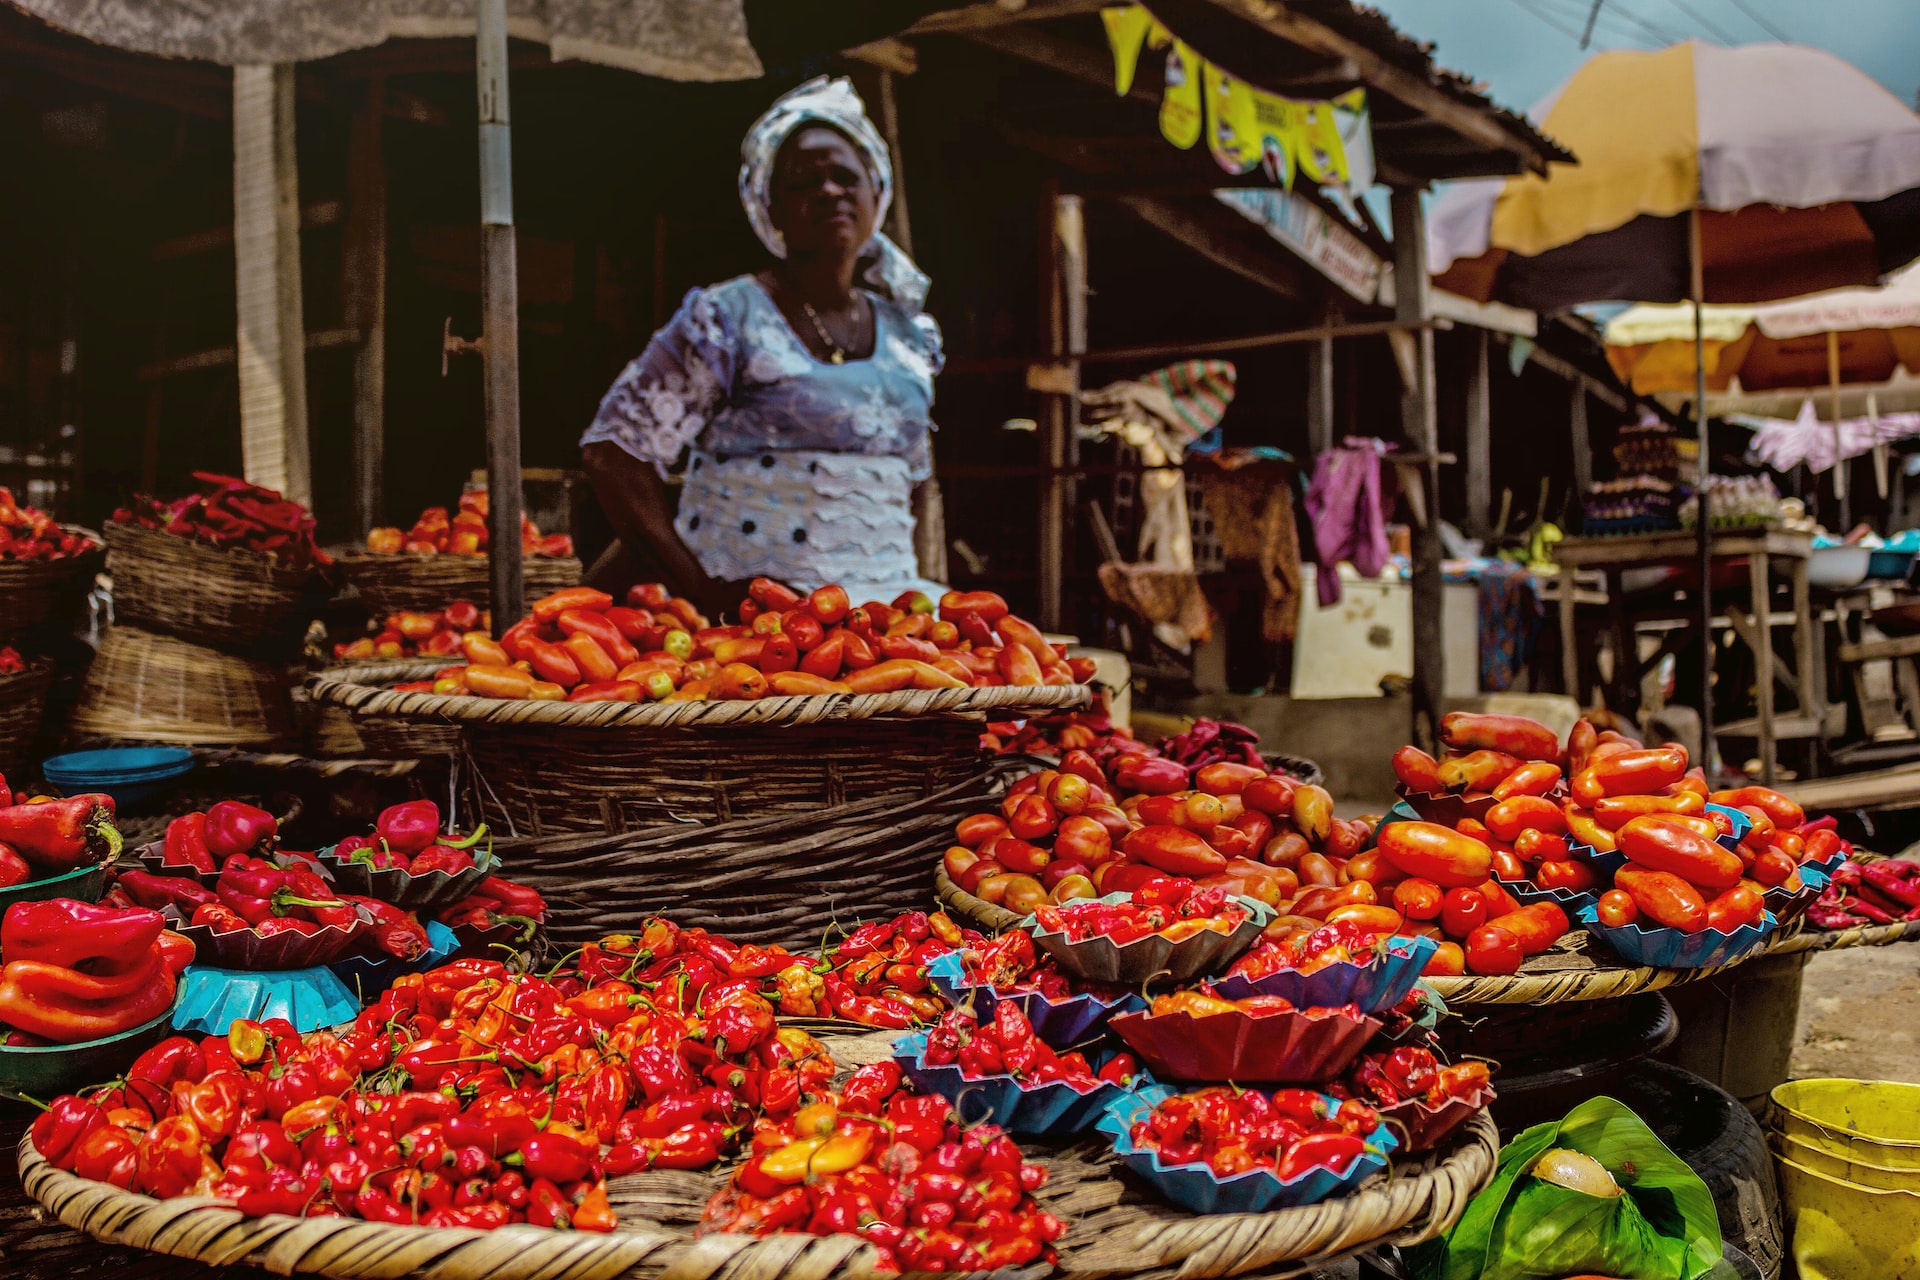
(58, 836)
(409, 828)
(157, 892)
(185, 844)
(65, 932)
(236, 828)
(65, 1019)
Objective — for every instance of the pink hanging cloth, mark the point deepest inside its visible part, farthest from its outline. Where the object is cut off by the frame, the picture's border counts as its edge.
(1349, 502)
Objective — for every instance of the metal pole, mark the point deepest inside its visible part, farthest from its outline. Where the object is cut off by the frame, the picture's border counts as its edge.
(1699, 291)
(500, 317)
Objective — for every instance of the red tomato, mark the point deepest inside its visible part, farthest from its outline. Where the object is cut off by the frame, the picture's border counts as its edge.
(1617, 909)
(1462, 911)
(1493, 950)
(1449, 961)
(1419, 899)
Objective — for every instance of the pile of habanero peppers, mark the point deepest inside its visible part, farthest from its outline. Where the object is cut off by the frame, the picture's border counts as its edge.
(581, 647)
(473, 1097)
(876, 975)
(27, 533)
(229, 512)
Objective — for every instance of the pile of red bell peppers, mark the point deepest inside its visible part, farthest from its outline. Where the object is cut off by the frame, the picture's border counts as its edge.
(75, 972)
(407, 837)
(229, 512)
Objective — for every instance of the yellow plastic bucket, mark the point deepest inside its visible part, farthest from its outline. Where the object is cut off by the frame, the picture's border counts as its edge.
(1843, 1231)
(1878, 1177)
(1875, 1122)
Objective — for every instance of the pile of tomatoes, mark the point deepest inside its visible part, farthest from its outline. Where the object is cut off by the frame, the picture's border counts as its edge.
(416, 633)
(464, 533)
(579, 646)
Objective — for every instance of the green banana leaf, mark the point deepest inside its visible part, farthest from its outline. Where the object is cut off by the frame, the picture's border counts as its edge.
(1521, 1228)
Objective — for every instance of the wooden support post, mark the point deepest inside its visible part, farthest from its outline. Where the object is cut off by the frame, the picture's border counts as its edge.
(270, 335)
(1577, 436)
(500, 312)
(1320, 396)
(1064, 307)
(899, 225)
(1479, 440)
(364, 286)
(1422, 430)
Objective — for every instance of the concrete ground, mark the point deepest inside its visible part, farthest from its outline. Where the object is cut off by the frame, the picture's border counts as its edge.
(1860, 1015)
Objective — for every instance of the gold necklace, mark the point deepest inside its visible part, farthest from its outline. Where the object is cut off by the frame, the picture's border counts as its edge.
(835, 351)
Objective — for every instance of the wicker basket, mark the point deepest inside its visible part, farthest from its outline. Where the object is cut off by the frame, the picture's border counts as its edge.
(1114, 1226)
(978, 912)
(391, 583)
(781, 879)
(390, 739)
(42, 593)
(543, 768)
(23, 696)
(144, 687)
(230, 598)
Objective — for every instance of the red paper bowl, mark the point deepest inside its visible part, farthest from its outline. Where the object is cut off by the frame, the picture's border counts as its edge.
(1299, 1047)
(1423, 1127)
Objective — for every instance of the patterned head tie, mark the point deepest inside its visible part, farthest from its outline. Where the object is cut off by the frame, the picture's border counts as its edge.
(884, 266)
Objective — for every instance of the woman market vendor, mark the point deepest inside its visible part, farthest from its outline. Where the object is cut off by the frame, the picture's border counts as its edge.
(802, 394)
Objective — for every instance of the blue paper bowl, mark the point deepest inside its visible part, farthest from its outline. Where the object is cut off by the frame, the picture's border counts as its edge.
(1665, 948)
(369, 975)
(1789, 905)
(1831, 865)
(1198, 1188)
(1741, 825)
(131, 775)
(1890, 563)
(213, 999)
(1045, 1110)
(1061, 1023)
(1526, 892)
(1380, 983)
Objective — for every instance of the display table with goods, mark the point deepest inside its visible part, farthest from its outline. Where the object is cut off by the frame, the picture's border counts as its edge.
(646, 1109)
(798, 765)
(444, 558)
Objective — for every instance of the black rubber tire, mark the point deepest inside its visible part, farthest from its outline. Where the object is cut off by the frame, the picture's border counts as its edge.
(1721, 1141)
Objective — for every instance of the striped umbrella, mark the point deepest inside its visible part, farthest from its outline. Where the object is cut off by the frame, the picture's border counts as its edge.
(1707, 174)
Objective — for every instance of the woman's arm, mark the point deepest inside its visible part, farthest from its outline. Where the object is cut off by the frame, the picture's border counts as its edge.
(635, 500)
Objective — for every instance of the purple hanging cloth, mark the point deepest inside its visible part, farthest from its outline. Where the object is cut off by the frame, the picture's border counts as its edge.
(1349, 502)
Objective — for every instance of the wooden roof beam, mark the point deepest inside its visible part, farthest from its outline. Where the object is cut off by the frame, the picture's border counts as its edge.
(1002, 13)
(1200, 234)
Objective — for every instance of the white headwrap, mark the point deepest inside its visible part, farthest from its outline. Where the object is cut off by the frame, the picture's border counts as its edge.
(884, 266)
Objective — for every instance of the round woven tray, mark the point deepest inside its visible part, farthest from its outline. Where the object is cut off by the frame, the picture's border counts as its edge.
(541, 768)
(392, 583)
(1879, 935)
(783, 878)
(23, 696)
(144, 687)
(1115, 1226)
(226, 597)
(37, 593)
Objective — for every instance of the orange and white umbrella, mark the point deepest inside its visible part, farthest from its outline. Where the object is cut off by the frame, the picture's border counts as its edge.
(1796, 170)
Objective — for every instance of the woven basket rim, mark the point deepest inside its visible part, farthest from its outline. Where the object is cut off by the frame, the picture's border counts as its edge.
(1413, 1206)
(360, 555)
(363, 692)
(979, 910)
(278, 573)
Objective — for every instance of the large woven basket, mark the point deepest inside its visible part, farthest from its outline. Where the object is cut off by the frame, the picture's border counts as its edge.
(1115, 1225)
(45, 593)
(782, 878)
(229, 598)
(391, 583)
(542, 768)
(23, 697)
(144, 687)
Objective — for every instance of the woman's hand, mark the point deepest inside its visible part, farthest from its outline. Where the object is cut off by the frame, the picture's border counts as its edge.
(636, 502)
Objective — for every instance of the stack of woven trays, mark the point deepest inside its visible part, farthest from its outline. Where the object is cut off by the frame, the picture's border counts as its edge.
(760, 818)
(197, 651)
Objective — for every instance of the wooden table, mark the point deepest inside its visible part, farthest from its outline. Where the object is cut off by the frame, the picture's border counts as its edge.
(1754, 624)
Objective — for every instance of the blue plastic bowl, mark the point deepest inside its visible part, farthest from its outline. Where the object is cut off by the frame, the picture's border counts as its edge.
(131, 775)
(1665, 948)
(1890, 564)
(1043, 1110)
(1062, 1024)
(1379, 983)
